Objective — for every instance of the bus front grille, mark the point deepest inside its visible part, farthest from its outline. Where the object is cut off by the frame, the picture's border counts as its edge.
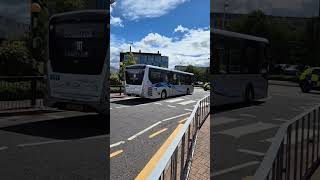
(149, 91)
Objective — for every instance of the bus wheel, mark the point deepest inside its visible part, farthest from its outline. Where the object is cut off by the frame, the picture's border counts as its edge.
(163, 94)
(188, 91)
(249, 95)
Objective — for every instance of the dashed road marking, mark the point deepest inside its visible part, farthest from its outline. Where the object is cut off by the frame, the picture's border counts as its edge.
(187, 102)
(183, 121)
(154, 125)
(143, 131)
(157, 103)
(251, 152)
(116, 153)
(158, 132)
(188, 110)
(174, 100)
(248, 129)
(171, 106)
(234, 168)
(117, 144)
(174, 117)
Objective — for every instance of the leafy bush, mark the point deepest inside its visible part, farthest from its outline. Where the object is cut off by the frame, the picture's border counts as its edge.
(114, 79)
(15, 59)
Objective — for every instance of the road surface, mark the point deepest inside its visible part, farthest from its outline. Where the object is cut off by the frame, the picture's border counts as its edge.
(54, 145)
(240, 135)
(140, 126)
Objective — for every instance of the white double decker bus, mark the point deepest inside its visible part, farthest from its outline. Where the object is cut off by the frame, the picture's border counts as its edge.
(239, 66)
(155, 82)
(78, 63)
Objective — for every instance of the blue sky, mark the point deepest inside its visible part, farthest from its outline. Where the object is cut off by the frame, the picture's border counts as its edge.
(177, 28)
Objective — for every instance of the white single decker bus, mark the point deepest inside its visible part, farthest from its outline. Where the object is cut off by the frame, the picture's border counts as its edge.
(155, 82)
(239, 66)
(78, 63)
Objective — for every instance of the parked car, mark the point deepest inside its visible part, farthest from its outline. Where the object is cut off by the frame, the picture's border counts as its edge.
(310, 79)
(291, 70)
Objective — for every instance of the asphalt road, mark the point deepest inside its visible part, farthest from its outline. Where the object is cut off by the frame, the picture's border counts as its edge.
(50, 146)
(140, 126)
(241, 135)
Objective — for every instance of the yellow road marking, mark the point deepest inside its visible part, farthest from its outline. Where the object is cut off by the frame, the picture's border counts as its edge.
(183, 121)
(158, 132)
(156, 158)
(115, 153)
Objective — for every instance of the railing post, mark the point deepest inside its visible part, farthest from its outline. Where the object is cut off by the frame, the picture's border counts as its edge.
(120, 90)
(33, 91)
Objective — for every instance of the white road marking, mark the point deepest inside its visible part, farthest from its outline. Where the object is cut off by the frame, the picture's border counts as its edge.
(110, 108)
(171, 106)
(40, 143)
(248, 115)
(223, 120)
(251, 152)
(174, 100)
(248, 129)
(187, 102)
(117, 144)
(154, 125)
(234, 168)
(157, 103)
(168, 119)
(188, 110)
(3, 148)
(143, 131)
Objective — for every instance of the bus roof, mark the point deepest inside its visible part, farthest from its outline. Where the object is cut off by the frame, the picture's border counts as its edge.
(239, 35)
(157, 67)
(79, 12)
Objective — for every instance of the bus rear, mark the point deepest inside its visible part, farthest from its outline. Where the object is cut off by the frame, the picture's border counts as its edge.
(134, 80)
(78, 60)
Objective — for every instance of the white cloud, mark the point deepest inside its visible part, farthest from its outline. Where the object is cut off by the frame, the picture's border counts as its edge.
(181, 29)
(116, 21)
(193, 48)
(136, 9)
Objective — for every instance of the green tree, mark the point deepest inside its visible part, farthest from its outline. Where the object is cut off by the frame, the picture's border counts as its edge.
(114, 79)
(16, 59)
(200, 74)
(130, 61)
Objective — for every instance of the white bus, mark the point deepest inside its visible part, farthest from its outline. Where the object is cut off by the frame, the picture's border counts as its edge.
(78, 62)
(239, 66)
(155, 82)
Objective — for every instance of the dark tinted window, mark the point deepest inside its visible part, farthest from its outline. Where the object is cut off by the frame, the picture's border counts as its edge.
(134, 76)
(157, 75)
(78, 47)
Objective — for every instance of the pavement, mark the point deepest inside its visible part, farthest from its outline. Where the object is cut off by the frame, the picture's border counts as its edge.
(200, 167)
(139, 128)
(53, 145)
(241, 135)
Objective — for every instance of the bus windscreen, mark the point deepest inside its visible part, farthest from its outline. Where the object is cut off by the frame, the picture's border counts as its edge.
(78, 48)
